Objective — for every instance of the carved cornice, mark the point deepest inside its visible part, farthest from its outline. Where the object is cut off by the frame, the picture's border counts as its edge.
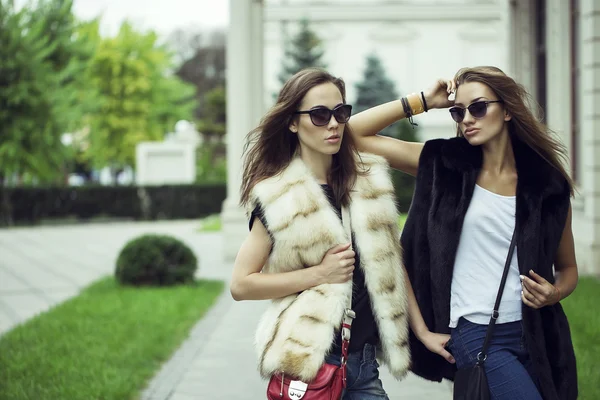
(384, 11)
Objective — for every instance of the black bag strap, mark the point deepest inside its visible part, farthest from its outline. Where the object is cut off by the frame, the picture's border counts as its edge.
(490, 330)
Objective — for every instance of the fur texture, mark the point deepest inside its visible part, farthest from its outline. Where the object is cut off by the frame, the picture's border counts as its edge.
(448, 170)
(296, 332)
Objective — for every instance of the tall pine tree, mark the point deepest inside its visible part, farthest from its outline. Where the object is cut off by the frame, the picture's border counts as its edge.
(302, 51)
(376, 88)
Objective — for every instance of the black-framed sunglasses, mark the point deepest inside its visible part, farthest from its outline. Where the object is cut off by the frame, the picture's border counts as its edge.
(321, 115)
(477, 110)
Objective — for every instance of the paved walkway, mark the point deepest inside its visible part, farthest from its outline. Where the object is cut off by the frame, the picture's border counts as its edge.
(43, 266)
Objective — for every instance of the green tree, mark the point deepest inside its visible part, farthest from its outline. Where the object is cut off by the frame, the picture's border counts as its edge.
(212, 126)
(138, 99)
(211, 156)
(39, 58)
(202, 62)
(302, 51)
(375, 88)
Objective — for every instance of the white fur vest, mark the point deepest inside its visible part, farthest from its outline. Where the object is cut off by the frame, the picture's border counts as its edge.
(296, 332)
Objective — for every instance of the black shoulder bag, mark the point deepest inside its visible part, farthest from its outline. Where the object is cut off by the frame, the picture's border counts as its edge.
(471, 383)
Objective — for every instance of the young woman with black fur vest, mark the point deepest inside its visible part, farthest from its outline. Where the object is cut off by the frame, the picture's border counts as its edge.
(301, 171)
(503, 168)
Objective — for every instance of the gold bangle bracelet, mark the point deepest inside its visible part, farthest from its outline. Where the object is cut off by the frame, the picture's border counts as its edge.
(415, 103)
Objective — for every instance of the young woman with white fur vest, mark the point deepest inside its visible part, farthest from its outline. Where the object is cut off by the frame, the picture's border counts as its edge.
(302, 173)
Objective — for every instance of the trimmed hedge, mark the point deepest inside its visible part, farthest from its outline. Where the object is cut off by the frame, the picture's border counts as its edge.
(30, 205)
(152, 259)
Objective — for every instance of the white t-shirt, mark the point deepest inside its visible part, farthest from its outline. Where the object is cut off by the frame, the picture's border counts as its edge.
(482, 250)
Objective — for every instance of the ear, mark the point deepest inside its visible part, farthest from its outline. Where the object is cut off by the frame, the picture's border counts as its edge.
(293, 126)
(507, 116)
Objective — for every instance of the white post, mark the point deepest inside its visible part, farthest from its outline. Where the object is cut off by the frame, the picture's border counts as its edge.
(244, 108)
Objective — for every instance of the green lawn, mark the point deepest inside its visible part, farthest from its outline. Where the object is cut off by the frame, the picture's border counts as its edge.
(105, 343)
(402, 220)
(210, 224)
(581, 308)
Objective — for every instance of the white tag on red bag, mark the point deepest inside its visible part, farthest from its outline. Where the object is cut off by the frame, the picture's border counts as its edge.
(297, 389)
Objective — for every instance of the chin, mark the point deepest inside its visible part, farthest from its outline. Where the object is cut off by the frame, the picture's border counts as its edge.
(330, 150)
(334, 151)
(475, 140)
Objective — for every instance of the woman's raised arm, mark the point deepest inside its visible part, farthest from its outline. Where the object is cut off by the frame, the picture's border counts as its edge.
(400, 154)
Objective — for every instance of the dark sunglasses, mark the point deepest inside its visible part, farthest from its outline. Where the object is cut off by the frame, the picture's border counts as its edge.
(321, 115)
(477, 110)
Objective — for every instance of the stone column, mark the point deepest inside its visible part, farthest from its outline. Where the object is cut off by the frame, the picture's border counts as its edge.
(586, 226)
(244, 108)
(522, 42)
(558, 69)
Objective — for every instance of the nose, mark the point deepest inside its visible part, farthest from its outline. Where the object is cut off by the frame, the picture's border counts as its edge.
(468, 118)
(332, 122)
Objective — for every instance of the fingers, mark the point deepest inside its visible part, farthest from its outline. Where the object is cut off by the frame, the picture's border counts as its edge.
(451, 89)
(348, 273)
(529, 299)
(537, 278)
(544, 291)
(339, 248)
(447, 356)
(532, 286)
(450, 85)
(347, 254)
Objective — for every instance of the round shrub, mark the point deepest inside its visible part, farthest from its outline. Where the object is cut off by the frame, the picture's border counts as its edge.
(155, 260)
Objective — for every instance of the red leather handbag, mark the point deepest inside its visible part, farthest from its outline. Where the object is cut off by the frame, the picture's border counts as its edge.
(327, 385)
(330, 381)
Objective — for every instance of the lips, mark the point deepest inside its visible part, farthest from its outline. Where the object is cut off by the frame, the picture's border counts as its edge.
(471, 131)
(332, 137)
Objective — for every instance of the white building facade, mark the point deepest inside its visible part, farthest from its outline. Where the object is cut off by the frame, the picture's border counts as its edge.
(418, 42)
(556, 55)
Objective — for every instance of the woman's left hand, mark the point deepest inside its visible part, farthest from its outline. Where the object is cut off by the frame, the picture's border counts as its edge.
(436, 343)
(537, 291)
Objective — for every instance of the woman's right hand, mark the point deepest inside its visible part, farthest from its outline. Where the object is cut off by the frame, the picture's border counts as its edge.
(337, 265)
(437, 96)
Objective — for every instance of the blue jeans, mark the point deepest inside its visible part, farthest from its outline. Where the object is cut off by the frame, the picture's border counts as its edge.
(508, 366)
(362, 371)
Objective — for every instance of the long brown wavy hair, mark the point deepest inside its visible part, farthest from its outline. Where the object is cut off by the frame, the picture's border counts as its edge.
(524, 125)
(271, 146)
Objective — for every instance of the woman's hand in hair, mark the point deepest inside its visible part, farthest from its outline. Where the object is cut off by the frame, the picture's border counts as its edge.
(538, 292)
(437, 95)
(337, 265)
(436, 343)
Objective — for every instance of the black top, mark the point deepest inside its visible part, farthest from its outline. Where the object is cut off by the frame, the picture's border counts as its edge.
(364, 329)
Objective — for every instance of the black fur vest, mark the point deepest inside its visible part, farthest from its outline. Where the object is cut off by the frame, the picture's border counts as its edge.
(448, 171)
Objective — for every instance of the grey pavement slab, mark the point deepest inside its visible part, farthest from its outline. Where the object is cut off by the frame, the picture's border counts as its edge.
(43, 266)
